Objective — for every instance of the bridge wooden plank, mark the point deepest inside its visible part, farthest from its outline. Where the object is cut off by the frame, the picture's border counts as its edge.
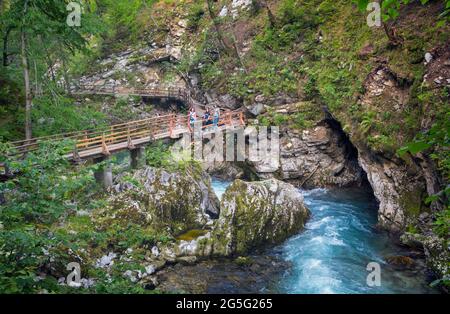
(113, 148)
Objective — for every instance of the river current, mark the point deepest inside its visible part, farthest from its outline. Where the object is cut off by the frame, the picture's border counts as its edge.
(339, 241)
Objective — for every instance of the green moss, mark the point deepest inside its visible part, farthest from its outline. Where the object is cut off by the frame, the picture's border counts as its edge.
(191, 235)
(411, 202)
(411, 229)
(244, 261)
(250, 218)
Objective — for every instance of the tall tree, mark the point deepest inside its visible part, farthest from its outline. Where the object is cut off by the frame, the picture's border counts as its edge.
(33, 23)
(26, 74)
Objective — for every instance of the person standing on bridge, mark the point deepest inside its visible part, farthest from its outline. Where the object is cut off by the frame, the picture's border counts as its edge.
(216, 118)
(206, 118)
(192, 117)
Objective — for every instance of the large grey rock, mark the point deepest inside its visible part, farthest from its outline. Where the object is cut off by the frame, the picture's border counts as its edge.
(256, 109)
(227, 101)
(182, 200)
(436, 250)
(254, 214)
(399, 190)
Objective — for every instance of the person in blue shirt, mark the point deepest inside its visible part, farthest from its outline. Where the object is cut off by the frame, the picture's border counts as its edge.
(192, 117)
(206, 118)
(216, 117)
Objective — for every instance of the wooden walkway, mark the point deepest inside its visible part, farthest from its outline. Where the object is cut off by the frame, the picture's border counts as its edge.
(179, 93)
(126, 136)
(130, 135)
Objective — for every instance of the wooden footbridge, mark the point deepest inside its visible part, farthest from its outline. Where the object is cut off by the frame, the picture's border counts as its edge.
(99, 144)
(178, 93)
(129, 135)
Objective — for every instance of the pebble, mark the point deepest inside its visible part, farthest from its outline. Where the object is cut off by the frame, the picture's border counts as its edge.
(155, 251)
(150, 269)
(106, 260)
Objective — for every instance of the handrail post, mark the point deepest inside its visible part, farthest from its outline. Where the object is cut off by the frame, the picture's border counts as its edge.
(76, 155)
(105, 150)
(85, 137)
(171, 126)
(189, 123)
(150, 130)
(241, 118)
(130, 144)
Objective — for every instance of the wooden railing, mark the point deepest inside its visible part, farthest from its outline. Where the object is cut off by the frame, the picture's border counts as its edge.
(89, 143)
(174, 92)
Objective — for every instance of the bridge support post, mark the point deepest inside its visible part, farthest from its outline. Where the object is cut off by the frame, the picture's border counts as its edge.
(137, 158)
(103, 175)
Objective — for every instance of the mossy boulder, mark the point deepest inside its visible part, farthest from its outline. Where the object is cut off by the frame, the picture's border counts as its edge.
(255, 214)
(437, 251)
(176, 201)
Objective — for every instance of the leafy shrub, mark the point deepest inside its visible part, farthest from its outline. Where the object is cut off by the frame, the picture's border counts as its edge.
(61, 115)
(442, 223)
(46, 189)
(197, 11)
(158, 155)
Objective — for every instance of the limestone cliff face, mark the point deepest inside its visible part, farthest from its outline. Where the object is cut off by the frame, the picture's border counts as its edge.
(318, 157)
(399, 184)
(317, 154)
(399, 190)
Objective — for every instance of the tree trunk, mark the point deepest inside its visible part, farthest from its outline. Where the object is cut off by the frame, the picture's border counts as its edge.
(26, 73)
(216, 26)
(26, 77)
(391, 33)
(272, 18)
(5, 46)
(66, 75)
(238, 56)
(50, 66)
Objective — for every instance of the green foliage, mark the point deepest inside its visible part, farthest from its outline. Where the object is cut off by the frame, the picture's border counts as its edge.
(158, 155)
(300, 121)
(436, 138)
(442, 223)
(60, 115)
(367, 122)
(196, 13)
(45, 187)
(128, 16)
(48, 41)
(436, 142)
(121, 110)
(390, 8)
(20, 257)
(119, 285)
(46, 190)
(294, 18)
